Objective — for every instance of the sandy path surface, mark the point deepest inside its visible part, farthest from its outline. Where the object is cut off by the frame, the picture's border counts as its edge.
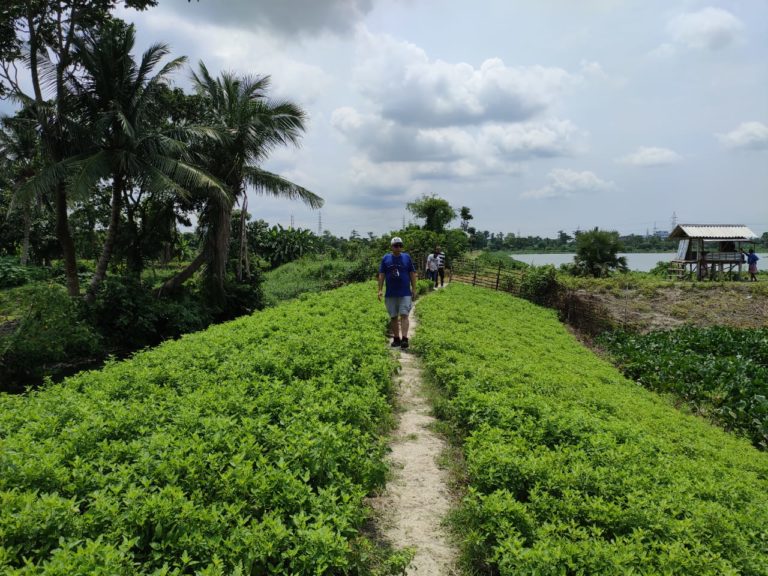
(417, 499)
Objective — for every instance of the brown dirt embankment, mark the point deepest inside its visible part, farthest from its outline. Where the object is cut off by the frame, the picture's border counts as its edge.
(657, 308)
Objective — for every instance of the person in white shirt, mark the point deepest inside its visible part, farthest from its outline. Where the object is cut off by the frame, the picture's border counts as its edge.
(436, 266)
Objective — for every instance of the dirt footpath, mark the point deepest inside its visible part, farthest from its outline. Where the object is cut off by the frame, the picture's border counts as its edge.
(417, 499)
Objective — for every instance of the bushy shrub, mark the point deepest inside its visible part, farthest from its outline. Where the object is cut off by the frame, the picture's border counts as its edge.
(129, 316)
(661, 269)
(12, 273)
(538, 283)
(424, 287)
(243, 297)
(51, 330)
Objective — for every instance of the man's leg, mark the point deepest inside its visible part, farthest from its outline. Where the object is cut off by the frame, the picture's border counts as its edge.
(404, 325)
(394, 325)
(441, 271)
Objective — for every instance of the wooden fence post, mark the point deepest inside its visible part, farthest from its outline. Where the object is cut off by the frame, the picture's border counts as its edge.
(474, 273)
(498, 274)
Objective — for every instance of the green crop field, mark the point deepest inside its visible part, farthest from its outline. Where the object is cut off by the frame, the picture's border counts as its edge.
(244, 449)
(573, 469)
(720, 372)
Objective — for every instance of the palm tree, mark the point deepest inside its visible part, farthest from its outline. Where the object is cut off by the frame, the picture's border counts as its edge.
(118, 99)
(251, 127)
(19, 155)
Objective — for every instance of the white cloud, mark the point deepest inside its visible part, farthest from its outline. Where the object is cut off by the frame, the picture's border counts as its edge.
(651, 156)
(592, 69)
(710, 28)
(386, 141)
(406, 86)
(565, 183)
(747, 136)
(532, 139)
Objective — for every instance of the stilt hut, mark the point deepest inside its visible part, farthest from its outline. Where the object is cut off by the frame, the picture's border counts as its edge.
(709, 250)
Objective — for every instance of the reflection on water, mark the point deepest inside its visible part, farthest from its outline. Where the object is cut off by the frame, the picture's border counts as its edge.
(642, 262)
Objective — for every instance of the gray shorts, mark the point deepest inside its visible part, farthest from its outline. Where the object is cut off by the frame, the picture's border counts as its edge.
(398, 306)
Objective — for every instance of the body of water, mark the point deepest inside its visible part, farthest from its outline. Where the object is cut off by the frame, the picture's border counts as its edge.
(639, 261)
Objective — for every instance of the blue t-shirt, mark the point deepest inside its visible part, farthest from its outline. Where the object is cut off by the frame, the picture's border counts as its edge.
(397, 274)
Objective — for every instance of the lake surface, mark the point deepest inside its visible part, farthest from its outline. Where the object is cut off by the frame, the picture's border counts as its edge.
(639, 261)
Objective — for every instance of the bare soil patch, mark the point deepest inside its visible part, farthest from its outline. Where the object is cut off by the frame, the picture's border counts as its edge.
(661, 308)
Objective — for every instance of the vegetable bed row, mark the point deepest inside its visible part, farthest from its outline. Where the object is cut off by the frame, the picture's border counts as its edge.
(572, 469)
(721, 372)
(244, 449)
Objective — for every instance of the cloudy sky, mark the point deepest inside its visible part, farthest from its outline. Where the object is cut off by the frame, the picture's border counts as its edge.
(538, 115)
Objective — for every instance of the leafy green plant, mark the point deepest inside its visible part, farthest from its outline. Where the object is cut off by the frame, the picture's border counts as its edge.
(50, 330)
(721, 372)
(12, 274)
(313, 274)
(248, 448)
(596, 253)
(572, 468)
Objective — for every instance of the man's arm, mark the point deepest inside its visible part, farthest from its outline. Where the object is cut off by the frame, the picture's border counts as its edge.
(413, 283)
(380, 278)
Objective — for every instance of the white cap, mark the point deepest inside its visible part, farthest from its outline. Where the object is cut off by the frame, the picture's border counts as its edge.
(397, 240)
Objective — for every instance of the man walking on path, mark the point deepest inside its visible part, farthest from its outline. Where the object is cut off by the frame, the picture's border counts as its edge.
(400, 274)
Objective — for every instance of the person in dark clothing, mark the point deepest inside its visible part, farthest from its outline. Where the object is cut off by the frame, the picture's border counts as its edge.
(752, 259)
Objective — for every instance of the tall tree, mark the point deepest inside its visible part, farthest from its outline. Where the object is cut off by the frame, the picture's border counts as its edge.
(41, 35)
(19, 158)
(118, 97)
(465, 216)
(251, 127)
(436, 212)
(597, 253)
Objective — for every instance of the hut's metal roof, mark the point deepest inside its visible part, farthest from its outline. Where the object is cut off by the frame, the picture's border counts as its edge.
(713, 232)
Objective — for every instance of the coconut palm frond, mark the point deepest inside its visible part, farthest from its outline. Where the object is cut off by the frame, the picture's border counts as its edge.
(274, 185)
(86, 171)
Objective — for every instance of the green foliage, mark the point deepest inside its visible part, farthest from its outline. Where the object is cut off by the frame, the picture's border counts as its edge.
(573, 469)
(245, 449)
(128, 315)
(280, 245)
(51, 330)
(722, 372)
(596, 253)
(661, 269)
(419, 243)
(500, 258)
(313, 274)
(12, 273)
(437, 213)
(424, 287)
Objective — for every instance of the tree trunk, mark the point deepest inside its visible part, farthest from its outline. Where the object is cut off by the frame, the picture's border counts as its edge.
(173, 283)
(109, 241)
(242, 258)
(219, 239)
(27, 229)
(67, 244)
(135, 262)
